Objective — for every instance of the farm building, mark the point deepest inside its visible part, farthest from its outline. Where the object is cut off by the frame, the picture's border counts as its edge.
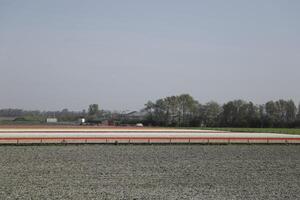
(51, 120)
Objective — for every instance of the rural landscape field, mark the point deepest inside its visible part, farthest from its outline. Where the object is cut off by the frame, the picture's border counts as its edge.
(139, 100)
(255, 130)
(18, 135)
(150, 172)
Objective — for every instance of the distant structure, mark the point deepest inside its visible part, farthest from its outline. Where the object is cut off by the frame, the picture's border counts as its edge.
(136, 115)
(139, 125)
(8, 118)
(81, 120)
(51, 120)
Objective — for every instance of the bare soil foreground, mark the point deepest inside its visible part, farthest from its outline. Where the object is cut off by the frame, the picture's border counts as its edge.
(150, 172)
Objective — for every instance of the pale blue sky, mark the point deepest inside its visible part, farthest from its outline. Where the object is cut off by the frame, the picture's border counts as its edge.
(119, 54)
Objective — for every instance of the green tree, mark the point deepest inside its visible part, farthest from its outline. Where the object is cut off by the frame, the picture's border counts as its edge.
(291, 112)
(281, 113)
(93, 111)
(298, 117)
(150, 108)
(161, 114)
(298, 113)
(239, 113)
(188, 108)
(211, 112)
(173, 111)
(272, 113)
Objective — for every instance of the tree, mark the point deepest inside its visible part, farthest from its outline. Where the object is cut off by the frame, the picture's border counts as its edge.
(253, 115)
(262, 117)
(281, 113)
(149, 108)
(161, 113)
(211, 114)
(298, 113)
(297, 124)
(272, 115)
(239, 113)
(184, 110)
(188, 108)
(173, 111)
(93, 110)
(291, 112)
(230, 113)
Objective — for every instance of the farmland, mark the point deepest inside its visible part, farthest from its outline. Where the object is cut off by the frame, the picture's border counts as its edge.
(150, 172)
(295, 131)
(58, 134)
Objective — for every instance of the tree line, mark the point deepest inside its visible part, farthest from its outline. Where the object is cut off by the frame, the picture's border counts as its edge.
(181, 111)
(92, 114)
(184, 111)
(36, 115)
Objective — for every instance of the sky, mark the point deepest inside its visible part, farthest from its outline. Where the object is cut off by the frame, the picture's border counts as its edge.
(120, 54)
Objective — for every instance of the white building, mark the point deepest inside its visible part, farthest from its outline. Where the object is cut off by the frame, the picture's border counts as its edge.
(51, 120)
(81, 120)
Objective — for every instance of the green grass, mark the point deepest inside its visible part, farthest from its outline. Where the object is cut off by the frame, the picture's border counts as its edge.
(295, 131)
(20, 122)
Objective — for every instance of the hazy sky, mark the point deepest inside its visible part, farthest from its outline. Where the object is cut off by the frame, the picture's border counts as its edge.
(120, 54)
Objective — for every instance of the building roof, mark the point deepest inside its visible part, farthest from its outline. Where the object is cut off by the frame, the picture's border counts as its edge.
(136, 114)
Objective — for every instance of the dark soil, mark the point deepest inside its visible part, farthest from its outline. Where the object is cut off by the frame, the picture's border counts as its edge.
(150, 172)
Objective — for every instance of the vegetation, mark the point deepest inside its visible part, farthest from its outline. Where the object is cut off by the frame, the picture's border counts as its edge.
(184, 111)
(173, 111)
(295, 131)
(179, 111)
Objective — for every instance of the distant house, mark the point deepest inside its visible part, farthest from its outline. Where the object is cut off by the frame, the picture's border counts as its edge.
(51, 120)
